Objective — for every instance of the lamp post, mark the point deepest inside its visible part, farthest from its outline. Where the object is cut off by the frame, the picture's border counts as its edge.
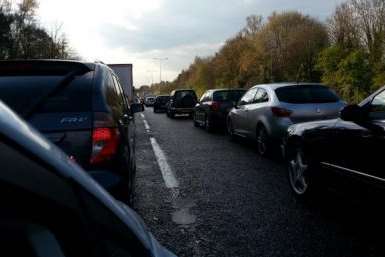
(152, 76)
(160, 66)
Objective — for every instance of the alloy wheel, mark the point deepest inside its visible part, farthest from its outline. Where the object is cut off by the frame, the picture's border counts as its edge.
(297, 173)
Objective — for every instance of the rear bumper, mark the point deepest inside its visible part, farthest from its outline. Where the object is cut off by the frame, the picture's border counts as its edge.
(277, 128)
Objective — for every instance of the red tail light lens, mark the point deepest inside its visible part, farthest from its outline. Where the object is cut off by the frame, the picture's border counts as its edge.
(105, 142)
(281, 112)
(215, 106)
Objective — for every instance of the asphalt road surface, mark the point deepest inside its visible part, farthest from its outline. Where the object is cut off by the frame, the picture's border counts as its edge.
(203, 195)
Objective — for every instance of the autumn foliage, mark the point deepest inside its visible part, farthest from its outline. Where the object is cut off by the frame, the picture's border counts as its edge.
(346, 52)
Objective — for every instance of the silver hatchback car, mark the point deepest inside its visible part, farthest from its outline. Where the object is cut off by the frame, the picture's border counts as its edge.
(266, 111)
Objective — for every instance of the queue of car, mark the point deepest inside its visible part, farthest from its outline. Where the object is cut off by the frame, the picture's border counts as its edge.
(318, 134)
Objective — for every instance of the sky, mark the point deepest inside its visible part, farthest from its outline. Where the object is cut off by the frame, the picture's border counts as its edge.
(137, 31)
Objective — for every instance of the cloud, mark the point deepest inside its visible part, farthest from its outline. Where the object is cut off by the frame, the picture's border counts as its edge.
(138, 30)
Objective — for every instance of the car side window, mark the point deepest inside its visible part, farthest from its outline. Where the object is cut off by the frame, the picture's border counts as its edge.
(43, 212)
(113, 234)
(120, 91)
(203, 98)
(261, 96)
(114, 100)
(377, 107)
(206, 97)
(248, 98)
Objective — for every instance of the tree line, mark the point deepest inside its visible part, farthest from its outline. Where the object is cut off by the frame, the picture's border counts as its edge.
(346, 52)
(21, 37)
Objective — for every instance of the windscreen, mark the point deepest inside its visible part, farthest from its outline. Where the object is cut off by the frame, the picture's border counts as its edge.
(22, 92)
(228, 96)
(304, 94)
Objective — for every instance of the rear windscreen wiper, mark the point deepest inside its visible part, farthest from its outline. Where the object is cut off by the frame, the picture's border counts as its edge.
(68, 78)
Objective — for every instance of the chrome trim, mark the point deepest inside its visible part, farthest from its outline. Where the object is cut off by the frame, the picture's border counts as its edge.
(353, 171)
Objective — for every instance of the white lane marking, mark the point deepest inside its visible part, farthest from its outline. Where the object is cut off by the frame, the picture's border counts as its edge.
(168, 175)
(146, 126)
(142, 115)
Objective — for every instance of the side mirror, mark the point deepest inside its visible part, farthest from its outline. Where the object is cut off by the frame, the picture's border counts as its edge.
(135, 107)
(352, 113)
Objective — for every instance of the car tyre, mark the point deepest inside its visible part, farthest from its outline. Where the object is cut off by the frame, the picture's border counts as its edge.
(230, 130)
(208, 124)
(196, 124)
(263, 141)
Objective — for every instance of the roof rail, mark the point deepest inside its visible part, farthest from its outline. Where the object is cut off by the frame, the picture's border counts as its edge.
(41, 67)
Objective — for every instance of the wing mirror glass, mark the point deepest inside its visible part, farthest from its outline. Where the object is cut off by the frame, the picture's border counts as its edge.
(352, 113)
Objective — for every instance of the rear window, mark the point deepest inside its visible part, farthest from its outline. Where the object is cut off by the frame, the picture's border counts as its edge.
(22, 92)
(228, 96)
(162, 99)
(182, 94)
(306, 94)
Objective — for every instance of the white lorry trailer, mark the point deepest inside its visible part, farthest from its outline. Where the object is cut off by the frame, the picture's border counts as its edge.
(124, 72)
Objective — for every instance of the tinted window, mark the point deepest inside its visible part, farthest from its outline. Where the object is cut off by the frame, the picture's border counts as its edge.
(40, 200)
(113, 98)
(22, 92)
(377, 109)
(248, 98)
(306, 94)
(181, 94)
(119, 90)
(162, 99)
(261, 96)
(228, 96)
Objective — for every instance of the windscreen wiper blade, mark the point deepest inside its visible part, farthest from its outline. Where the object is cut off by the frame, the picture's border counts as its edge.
(68, 78)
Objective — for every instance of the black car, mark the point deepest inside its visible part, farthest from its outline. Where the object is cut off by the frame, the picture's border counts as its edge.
(51, 207)
(182, 101)
(82, 109)
(213, 107)
(160, 103)
(348, 147)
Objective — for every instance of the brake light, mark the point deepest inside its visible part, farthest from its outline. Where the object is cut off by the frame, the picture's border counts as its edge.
(281, 112)
(215, 105)
(105, 142)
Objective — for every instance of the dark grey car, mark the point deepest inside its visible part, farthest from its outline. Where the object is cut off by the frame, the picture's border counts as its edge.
(81, 108)
(212, 109)
(266, 111)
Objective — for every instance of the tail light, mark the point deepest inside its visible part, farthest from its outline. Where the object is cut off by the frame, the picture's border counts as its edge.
(281, 112)
(105, 139)
(215, 105)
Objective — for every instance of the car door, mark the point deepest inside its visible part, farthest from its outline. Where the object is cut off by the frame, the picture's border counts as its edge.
(358, 146)
(240, 113)
(256, 110)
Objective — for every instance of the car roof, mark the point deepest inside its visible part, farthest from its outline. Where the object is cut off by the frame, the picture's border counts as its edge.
(287, 84)
(227, 89)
